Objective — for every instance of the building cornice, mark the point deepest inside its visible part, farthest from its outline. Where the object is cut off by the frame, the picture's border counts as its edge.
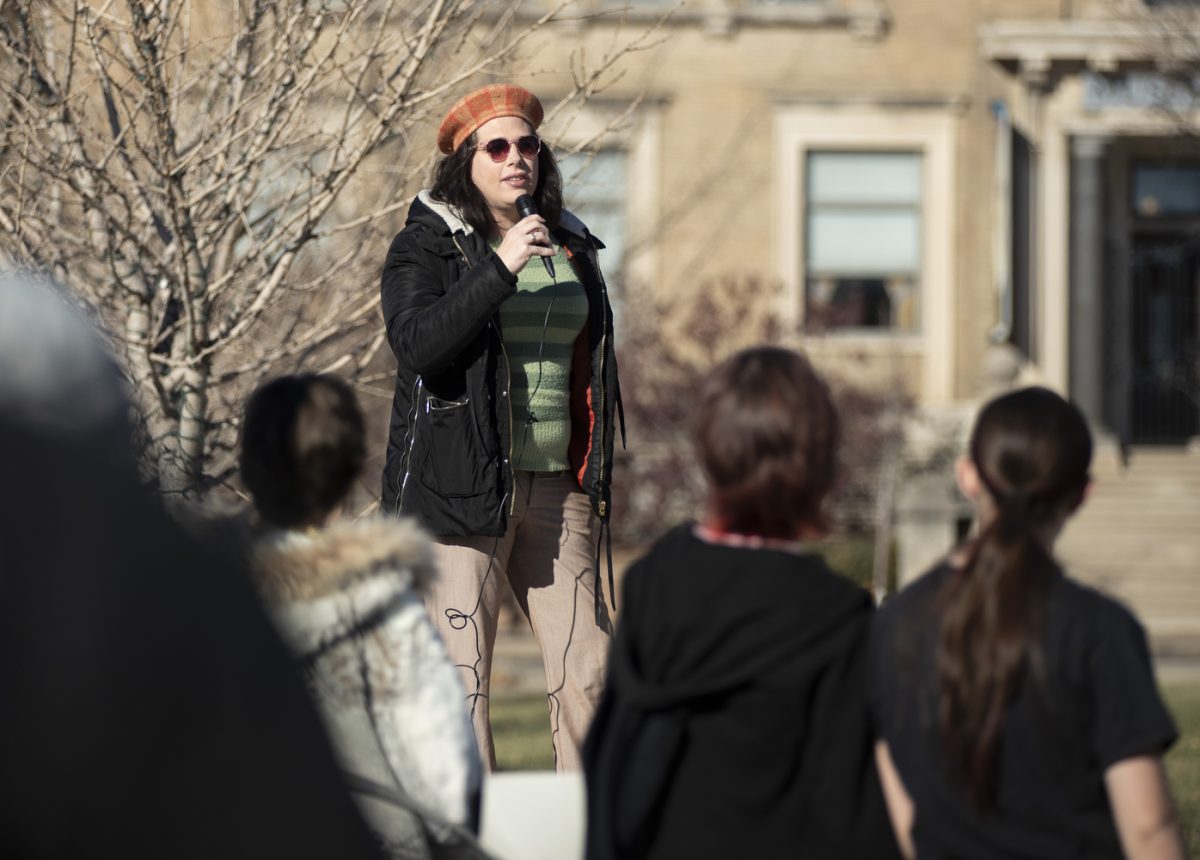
(951, 102)
(1032, 48)
(868, 19)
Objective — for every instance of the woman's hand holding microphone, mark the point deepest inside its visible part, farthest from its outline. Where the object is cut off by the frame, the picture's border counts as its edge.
(529, 237)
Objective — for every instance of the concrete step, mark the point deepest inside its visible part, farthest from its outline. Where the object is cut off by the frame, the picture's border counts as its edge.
(1185, 613)
(1114, 552)
(1149, 463)
(1086, 535)
(1139, 515)
(1146, 589)
(1155, 494)
(1138, 538)
(1152, 489)
(1178, 589)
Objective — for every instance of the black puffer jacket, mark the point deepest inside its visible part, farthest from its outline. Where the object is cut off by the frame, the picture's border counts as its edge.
(450, 439)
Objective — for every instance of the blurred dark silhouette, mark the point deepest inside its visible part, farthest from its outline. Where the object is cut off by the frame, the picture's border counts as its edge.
(147, 708)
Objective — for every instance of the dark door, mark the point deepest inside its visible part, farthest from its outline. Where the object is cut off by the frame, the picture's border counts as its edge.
(1165, 390)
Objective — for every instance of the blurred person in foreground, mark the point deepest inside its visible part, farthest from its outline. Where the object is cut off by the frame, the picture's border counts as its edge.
(347, 595)
(1017, 709)
(147, 708)
(734, 721)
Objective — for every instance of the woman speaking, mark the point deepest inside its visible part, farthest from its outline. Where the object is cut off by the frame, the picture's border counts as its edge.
(502, 431)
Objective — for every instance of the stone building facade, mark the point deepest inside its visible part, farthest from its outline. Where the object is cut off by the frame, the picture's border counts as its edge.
(939, 198)
(935, 195)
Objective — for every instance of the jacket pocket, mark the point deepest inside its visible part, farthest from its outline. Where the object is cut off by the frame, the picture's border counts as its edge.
(454, 465)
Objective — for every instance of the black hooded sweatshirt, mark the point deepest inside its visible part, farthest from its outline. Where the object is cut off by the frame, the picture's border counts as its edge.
(734, 720)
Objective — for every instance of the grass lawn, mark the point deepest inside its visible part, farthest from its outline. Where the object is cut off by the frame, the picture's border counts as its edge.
(522, 730)
(1183, 762)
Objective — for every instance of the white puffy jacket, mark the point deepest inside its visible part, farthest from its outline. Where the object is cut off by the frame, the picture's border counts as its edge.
(348, 599)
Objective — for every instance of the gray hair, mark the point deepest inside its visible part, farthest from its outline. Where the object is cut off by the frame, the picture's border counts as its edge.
(56, 371)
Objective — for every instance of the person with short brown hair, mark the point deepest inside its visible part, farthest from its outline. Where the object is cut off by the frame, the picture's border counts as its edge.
(767, 436)
(734, 720)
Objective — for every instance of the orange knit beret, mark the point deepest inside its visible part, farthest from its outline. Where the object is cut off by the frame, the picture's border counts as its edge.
(474, 109)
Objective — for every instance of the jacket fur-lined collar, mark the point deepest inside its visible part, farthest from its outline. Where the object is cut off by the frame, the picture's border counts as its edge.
(301, 566)
(336, 585)
(566, 221)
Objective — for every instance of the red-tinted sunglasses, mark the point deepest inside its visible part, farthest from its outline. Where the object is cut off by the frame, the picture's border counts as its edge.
(528, 146)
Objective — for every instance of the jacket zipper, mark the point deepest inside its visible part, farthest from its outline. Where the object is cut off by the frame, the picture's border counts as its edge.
(506, 394)
(416, 411)
(512, 475)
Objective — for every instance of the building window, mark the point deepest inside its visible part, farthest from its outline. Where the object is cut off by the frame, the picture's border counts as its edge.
(594, 189)
(1164, 190)
(863, 240)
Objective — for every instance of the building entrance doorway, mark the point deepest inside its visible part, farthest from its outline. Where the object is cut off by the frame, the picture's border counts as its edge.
(1163, 310)
(1165, 318)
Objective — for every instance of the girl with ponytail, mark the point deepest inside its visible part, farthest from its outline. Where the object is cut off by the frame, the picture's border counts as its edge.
(1016, 710)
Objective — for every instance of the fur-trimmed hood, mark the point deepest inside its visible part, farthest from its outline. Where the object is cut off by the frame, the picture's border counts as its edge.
(325, 586)
(303, 566)
(346, 600)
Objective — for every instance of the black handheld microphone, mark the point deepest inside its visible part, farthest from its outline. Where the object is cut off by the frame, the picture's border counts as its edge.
(525, 208)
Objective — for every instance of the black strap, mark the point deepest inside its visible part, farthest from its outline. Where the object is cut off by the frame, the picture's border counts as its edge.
(362, 625)
(605, 536)
(612, 588)
(387, 793)
(621, 413)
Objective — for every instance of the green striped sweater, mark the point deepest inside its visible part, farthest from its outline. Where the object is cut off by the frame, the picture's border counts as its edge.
(539, 326)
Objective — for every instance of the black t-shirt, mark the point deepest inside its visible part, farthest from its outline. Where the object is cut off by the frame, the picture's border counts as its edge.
(1098, 704)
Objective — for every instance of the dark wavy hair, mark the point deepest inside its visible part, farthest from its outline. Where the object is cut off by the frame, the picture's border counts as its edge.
(452, 185)
(767, 432)
(303, 444)
(1032, 450)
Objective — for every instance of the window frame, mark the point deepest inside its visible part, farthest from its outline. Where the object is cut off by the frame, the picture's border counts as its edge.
(1141, 163)
(619, 272)
(875, 125)
(605, 124)
(810, 208)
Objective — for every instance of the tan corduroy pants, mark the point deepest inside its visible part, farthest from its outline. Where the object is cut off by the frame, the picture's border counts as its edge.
(548, 557)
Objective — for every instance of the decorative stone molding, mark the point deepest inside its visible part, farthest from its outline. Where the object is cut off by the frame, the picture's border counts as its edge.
(1032, 47)
(956, 103)
(867, 19)
(1103, 63)
(871, 20)
(1035, 72)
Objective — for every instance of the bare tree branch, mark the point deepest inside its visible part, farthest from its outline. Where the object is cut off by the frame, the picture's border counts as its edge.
(206, 176)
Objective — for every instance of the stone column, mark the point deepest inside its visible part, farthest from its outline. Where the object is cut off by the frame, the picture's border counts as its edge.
(1086, 327)
(929, 509)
